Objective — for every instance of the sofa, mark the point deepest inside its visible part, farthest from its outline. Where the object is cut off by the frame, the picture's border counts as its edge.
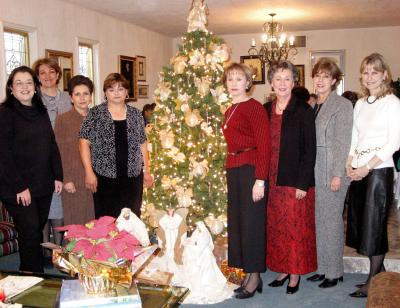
(384, 291)
(8, 233)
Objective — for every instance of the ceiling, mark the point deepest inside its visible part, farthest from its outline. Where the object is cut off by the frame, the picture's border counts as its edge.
(247, 16)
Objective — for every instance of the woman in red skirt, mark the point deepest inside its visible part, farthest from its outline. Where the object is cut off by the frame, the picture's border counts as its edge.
(291, 243)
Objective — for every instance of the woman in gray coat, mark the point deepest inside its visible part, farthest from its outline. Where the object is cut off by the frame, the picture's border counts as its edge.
(333, 121)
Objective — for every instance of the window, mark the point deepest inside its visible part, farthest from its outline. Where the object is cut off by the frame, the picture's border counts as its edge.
(86, 60)
(16, 49)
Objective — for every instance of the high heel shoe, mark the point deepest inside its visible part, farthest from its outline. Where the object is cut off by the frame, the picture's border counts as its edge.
(316, 277)
(247, 294)
(328, 283)
(278, 283)
(292, 290)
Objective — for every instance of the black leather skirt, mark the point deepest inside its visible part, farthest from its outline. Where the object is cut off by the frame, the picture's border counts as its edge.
(369, 203)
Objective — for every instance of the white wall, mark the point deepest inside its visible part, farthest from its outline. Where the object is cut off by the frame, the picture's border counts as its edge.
(58, 25)
(357, 43)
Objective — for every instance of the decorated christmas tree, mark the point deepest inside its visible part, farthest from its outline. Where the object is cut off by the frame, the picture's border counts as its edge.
(187, 145)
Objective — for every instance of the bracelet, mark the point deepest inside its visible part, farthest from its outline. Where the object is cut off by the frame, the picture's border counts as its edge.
(260, 183)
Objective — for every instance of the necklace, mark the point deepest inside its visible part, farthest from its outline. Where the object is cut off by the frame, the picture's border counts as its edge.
(372, 101)
(230, 116)
(280, 109)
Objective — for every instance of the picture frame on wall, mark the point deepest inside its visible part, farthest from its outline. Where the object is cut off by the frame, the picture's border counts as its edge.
(255, 63)
(338, 56)
(127, 67)
(141, 61)
(66, 75)
(301, 81)
(143, 91)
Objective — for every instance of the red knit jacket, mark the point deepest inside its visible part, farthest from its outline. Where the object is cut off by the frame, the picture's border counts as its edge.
(246, 125)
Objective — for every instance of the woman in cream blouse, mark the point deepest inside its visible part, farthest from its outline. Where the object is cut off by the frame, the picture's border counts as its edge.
(375, 137)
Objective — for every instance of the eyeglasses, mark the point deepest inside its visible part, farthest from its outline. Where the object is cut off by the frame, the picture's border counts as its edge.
(20, 84)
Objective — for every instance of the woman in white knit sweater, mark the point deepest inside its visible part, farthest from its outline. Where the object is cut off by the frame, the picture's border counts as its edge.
(375, 137)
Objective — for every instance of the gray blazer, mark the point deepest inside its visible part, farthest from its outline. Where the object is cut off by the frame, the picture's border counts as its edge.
(333, 128)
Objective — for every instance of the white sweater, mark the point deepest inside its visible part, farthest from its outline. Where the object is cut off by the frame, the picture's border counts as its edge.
(376, 131)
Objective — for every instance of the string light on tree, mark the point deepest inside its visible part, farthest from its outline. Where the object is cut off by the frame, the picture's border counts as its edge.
(191, 99)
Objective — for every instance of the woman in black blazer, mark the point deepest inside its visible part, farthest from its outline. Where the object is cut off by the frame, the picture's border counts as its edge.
(291, 249)
(30, 164)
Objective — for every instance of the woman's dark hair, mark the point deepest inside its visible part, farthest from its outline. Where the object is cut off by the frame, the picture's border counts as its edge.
(149, 107)
(36, 99)
(301, 93)
(79, 80)
(351, 96)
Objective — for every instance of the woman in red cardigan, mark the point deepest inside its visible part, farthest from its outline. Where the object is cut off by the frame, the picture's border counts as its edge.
(246, 130)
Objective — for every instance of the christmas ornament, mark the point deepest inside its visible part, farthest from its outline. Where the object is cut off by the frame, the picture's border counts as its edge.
(203, 85)
(220, 95)
(199, 169)
(179, 64)
(216, 227)
(196, 58)
(167, 138)
(193, 118)
(184, 196)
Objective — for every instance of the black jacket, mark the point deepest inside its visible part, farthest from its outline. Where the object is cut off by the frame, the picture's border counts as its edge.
(29, 156)
(297, 145)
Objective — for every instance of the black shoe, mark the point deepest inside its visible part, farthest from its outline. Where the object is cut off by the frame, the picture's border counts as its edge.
(239, 289)
(361, 285)
(292, 290)
(328, 283)
(316, 277)
(246, 294)
(278, 283)
(358, 294)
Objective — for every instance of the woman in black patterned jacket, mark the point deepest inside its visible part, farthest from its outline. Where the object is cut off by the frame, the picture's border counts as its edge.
(113, 149)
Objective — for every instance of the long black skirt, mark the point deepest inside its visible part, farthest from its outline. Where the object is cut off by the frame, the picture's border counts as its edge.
(114, 194)
(246, 221)
(369, 203)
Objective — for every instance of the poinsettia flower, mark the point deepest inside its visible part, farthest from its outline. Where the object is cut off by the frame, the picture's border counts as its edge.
(85, 247)
(128, 238)
(102, 253)
(98, 232)
(104, 221)
(73, 231)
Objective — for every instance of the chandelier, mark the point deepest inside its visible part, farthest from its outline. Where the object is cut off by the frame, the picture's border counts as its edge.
(275, 45)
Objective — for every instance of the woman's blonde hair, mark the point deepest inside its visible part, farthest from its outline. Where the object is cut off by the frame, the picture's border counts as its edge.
(247, 71)
(378, 62)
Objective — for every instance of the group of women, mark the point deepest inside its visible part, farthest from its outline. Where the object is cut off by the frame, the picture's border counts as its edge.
(289, 168)
(97, 157)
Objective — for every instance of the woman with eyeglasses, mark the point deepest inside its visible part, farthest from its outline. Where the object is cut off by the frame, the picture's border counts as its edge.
(30, 164)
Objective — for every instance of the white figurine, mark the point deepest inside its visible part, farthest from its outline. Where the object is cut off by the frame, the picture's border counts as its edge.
(201, 273)
(129, 222)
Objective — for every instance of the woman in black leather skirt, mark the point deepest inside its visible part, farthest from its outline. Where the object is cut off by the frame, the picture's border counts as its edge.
(375, 137)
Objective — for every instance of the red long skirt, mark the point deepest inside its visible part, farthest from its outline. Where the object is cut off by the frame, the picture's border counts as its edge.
(291, 243)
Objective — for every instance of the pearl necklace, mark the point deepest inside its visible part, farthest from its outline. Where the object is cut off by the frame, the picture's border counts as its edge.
(230, 116)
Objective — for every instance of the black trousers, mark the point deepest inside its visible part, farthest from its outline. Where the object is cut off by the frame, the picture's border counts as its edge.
(114, 194)
(29, 222)
(246, 221)
(367, 214)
